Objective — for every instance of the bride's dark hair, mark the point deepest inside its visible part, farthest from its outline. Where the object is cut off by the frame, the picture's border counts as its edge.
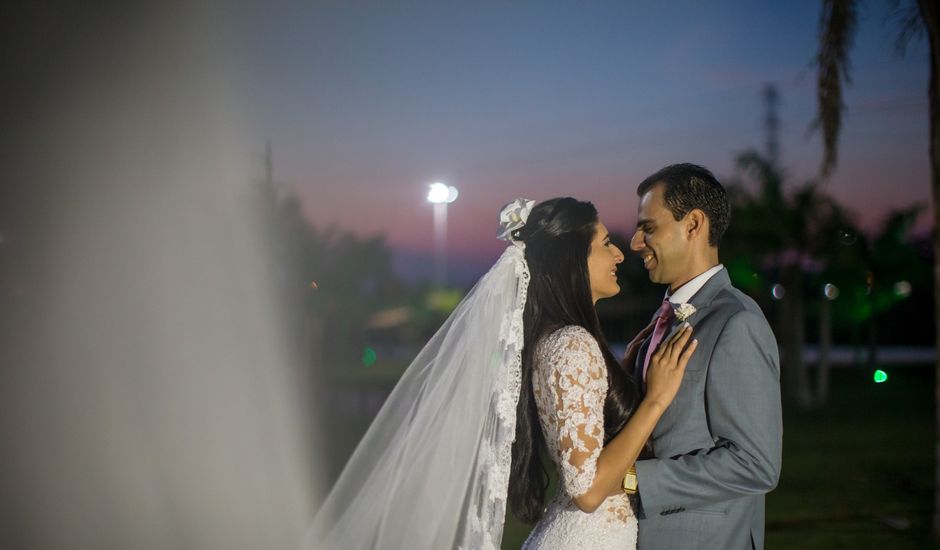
(558, 236)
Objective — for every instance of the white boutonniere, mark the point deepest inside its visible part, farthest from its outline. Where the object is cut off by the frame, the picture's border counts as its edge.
(684, 311)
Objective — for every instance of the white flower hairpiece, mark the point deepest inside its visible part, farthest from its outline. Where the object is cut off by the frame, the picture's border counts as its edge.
(684, 311)
(512, 218)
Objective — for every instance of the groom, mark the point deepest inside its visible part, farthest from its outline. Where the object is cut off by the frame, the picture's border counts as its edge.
(717, 447)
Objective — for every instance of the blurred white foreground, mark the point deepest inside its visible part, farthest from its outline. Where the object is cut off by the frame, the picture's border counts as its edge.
(147, 397)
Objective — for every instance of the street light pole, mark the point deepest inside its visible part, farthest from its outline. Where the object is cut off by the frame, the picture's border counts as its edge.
(440, 243)
(440, 195)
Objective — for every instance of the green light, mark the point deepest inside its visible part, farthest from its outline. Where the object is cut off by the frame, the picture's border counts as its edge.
(368, 357)
(880, 376)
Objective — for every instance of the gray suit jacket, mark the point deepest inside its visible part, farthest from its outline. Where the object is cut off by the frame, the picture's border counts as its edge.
(718, 445)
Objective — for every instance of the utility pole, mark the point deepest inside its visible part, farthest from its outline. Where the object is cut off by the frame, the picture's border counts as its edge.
(772, 123)
(268, 165)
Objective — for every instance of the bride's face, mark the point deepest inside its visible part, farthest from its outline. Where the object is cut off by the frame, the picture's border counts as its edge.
(602, 264)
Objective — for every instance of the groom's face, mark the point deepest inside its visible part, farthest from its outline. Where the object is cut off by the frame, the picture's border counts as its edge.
(661, 240)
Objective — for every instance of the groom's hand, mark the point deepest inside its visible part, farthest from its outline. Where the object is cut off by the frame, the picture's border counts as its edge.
(633, 348)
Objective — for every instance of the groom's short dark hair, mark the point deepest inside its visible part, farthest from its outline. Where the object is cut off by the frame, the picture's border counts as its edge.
(690, 186)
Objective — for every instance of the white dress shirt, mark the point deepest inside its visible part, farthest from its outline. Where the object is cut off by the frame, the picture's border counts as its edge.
(685, 292)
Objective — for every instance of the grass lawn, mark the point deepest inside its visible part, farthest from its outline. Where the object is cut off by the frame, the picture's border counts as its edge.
(857, 473)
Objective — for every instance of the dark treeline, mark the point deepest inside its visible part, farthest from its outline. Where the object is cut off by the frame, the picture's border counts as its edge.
(785, 245)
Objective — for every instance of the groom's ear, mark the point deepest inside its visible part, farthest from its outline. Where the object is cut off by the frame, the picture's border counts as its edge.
(696, 224)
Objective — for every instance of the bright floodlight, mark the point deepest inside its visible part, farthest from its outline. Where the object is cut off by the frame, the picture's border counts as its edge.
(438, 192)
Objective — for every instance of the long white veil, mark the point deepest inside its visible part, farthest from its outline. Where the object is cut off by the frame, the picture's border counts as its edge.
(432, 471)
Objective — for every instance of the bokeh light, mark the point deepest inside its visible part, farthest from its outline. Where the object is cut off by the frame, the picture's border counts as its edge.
(369, 357)
(437, 192)
(777, 291)
(847, 237)
(902, 289)
(830, 291)
(442, 193)
(880, 376)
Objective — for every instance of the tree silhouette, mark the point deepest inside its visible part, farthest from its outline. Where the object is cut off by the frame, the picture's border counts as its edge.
(797, 232)
(837, 25)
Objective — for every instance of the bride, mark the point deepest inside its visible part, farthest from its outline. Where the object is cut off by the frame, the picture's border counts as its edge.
(519, 367)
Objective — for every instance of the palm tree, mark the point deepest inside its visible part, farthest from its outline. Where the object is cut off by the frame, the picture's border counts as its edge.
(798, 230)
(836, 29)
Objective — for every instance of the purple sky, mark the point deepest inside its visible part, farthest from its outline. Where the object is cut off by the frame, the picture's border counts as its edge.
(365, 103)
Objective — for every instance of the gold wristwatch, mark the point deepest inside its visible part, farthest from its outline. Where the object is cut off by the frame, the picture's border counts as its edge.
(629, 481)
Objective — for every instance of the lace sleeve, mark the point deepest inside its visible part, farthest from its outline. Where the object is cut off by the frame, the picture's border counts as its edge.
(579, 387)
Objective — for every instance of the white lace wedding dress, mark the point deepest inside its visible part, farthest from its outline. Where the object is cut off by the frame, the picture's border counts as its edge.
(570, 384)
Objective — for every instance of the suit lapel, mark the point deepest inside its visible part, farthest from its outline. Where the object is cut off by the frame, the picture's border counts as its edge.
(701, 300)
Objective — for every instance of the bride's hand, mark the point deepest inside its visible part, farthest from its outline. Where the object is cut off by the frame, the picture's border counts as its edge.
(667, 366)
(629, 358)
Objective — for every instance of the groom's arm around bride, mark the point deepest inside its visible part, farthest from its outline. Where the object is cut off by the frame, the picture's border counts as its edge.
(717, 448)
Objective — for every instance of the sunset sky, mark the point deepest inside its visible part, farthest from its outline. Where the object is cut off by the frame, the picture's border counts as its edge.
(366, 103)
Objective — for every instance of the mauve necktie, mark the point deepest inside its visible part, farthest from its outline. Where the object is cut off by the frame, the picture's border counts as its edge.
(664, 318)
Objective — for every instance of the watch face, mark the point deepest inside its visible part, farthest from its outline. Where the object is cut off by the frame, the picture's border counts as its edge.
(629, 482)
